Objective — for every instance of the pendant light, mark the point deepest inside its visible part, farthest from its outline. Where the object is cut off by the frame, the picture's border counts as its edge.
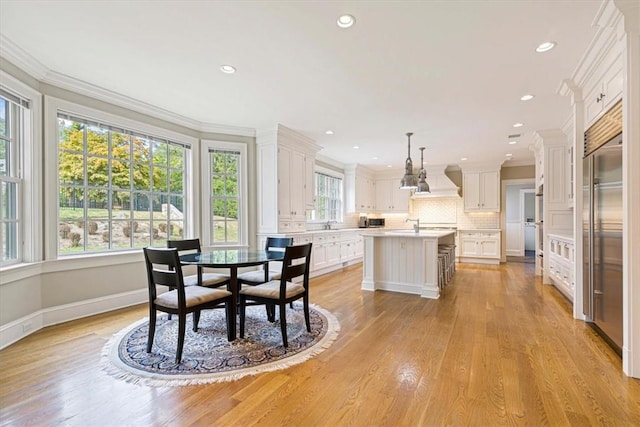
(423, 186)
(409, 181)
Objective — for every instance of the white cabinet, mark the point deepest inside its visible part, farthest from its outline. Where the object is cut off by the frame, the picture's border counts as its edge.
(561, 264)
(285, 161)
(326, 250)
(604, 94)
(310, 182)
(481, 191)
(558, 190)
(479, 246)
(291, 186)
(360, 190)
(390, 197)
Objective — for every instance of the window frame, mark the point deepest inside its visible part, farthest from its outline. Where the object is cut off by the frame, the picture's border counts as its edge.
(52, 107)
(319, 170)
(243, 205)
(29, 173)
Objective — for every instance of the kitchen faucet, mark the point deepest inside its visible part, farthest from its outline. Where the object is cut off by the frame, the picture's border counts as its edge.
(327, 225)
(416, 226)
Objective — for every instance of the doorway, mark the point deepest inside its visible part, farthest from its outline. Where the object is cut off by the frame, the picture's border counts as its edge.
(520, 223)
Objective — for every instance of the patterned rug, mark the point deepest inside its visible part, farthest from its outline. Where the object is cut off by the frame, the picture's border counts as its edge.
(207, 356)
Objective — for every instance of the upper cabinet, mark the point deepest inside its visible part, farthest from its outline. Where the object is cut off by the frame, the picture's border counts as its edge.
(285, 160)
(360, 189)
(605, 93)
(481, 190)
(390, 197)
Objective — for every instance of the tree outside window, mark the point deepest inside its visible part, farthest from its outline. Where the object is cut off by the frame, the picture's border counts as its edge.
(117, 189)
(225, 196)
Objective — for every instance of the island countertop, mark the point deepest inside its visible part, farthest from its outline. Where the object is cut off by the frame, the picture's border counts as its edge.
(429, 234)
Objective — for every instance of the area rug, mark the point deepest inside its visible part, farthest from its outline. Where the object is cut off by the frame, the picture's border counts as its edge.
(207, 356)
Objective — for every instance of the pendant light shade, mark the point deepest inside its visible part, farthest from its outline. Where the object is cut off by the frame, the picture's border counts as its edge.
(409, 181)
(423, 186)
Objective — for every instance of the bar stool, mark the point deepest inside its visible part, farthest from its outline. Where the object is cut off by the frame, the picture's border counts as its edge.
(445, 264)
(441, 271)
(450, 259)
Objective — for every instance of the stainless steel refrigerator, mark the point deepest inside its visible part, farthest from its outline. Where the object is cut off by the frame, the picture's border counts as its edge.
(602, 239)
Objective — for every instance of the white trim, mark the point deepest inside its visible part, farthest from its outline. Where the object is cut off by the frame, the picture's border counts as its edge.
(503, 212)
(20, 328)
(206, 190)
(37, 70)
(31, 174)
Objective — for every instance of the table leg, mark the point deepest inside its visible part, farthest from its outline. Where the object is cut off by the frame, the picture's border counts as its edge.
(233, 288)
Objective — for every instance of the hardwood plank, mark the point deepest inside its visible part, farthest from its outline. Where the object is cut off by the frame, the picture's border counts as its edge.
(498, 348)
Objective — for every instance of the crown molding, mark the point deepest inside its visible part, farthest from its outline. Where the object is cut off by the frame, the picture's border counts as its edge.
(21, 59)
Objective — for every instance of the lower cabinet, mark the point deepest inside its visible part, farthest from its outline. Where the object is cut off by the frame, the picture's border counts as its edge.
(561, 264)
(479, 246)
(331, 249)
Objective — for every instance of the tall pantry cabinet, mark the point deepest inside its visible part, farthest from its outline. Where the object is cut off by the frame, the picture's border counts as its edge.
(285, 160)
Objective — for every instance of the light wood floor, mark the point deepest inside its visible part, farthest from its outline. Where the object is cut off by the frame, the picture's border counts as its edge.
(498, 348)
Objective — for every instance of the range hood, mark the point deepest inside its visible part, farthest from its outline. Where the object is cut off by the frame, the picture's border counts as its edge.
(439, 184)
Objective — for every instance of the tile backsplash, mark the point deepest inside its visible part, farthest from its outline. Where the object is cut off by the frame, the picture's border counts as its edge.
(450, 211)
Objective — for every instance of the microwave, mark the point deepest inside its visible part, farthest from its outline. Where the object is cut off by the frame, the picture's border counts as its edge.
(375, 222)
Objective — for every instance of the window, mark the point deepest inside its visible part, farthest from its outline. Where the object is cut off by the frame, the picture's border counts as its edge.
(12, 120)
(117, 189)
(225, 211)
(328, 197)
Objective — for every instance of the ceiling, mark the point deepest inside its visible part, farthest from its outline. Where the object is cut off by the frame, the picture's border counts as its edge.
(451, 72)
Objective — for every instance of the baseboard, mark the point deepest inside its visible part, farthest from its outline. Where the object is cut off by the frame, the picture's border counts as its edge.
(514, 252)
(25, 326)
(471, 260)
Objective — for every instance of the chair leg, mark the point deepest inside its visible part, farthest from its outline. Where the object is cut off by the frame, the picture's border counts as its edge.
(231, 320)
(182, 326)
(305, 301)
(152, 328)
(271, 312)
(243, 303)
(196, 320)
(283, 324)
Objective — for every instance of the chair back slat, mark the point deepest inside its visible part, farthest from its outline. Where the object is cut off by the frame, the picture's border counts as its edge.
(274, 243)
(185, 245)
(292, 269)
(164, 269)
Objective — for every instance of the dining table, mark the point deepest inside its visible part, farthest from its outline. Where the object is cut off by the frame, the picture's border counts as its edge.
(231, 259)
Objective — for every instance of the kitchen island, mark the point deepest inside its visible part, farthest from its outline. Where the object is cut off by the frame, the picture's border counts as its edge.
(403, 261)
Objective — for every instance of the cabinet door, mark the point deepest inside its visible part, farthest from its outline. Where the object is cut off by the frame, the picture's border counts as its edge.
(490, 191)
(471, 188)
(384, 195)
(333, 253)
(310, 181)
(555, 191)
(284, 178)
(490, 248)
(296, 185)
(400, 197)
(469, 246)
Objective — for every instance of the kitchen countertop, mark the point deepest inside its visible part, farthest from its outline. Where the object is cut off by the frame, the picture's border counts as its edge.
(410, 233)
(480, 229)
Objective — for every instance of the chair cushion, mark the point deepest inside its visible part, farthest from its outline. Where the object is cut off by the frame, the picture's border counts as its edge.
(257, 276)
(272, 290)
(208, 279)
(194, 295)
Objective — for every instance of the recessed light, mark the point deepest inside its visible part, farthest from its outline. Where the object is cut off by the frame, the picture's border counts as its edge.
(388, 166)
(374, 158)
(545, 47)
(329, 132)
(463, 159)
(518, 125)
(508, 154)
(346, 21)
(228, 69)
(355, 147)
(527, 97)
(513, 142)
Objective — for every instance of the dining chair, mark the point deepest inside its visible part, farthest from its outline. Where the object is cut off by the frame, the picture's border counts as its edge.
(257, 277)
(284, 290)
(206, 279)
(164, 269)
